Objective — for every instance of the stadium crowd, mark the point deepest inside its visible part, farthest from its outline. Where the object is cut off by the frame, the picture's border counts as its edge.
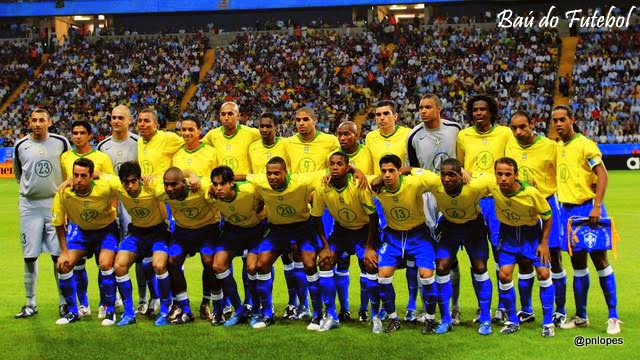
(606, 86)
(342, 75)
(84, 80)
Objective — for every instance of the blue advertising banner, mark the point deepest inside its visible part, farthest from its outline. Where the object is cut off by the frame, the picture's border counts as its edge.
(85, 7)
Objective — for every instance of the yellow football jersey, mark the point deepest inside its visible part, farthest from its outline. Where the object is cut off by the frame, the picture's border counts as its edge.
(403, 208)
(91, 212)
(478, 151)
(259, 155)
(525, 207)
(536, 163)
(154, 156)
(291, 204)
(101, 162)
(349, 206)
(457, 209)
(380, 145)
(194, 211)
(361, 159)
(233, 151)
(576, 160)
(308, 156)
(144, 209)
(200, 160)
(243, 209)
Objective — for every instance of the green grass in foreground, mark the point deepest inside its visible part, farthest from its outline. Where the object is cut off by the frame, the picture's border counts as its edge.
(40, 338)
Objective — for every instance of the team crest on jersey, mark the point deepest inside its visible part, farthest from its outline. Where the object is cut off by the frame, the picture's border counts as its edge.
(454, 202)
(387, 143)
(232, 208)
(564, 153)
(509, 203)
(485, 141)
(306, 149)
(437, 142)
(341, 200)
(120, 153)
(42, 152)
(281, 198)
(524, 156)
(395, 199)
(228, 147)
(590, 239)
(189, 161)
(85, 203)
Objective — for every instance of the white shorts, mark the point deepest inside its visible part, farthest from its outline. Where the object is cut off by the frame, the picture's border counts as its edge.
(37, 234)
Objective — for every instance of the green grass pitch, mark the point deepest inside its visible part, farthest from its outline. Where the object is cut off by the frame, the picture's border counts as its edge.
(40, 338)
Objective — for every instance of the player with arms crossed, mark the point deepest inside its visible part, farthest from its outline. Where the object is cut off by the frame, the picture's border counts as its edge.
(579, 166)
(36, 166)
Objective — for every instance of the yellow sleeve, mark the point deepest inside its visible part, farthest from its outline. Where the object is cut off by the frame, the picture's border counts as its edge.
(113, 181)
(174, 143)
(317, 209)
(259, 180)
(366, 199)
(313, 179)
(541, 204)
(255, 132)
(207, 139)
(426, 177)
(58, 214)
(460, 149)
(107, 165)
(592, 154)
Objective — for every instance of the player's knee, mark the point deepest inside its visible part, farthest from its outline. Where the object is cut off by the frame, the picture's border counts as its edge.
(505, 276)
(525, 267)
(443, 266)
(325, 266)
(479, 266)
(121, 268)
(159, 267)
(425, 273)
(219, 267)
(599, 259)
(30, 260)
(543, 273)
(342, 264)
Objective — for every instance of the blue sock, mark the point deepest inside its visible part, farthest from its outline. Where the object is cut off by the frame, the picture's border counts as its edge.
(183, 302)
(525, 287)
(364, 292)
(482, 285)
(373, 289)
(508, 297)
(444, 293)
(218, 301)
(547, 295)
(68, 287)
(126, 291)
(314, 293)
(290, 277)
(608, 285)
(412, 284)
(252, 286)
(230, 289)
(302, 286)
(107, 281)
(82, 283)
(581, 284)
(328, 290)
(150, 278)
(342, 281)
(265, 289)
(248, 299)
(388, 296)
(560, 285)
(164, 292)
(500, 302)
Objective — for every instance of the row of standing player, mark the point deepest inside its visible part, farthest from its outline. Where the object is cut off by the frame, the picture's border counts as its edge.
(481, 110)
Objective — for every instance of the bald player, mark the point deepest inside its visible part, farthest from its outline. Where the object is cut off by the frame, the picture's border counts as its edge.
(36, 166)
(232, 140)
